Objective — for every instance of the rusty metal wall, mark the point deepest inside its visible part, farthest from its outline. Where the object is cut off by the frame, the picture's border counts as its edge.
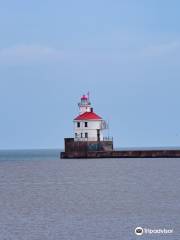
(90, 146)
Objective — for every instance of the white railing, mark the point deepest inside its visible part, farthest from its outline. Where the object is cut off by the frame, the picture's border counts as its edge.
(78, 139)
(92, 139)
(107, 138)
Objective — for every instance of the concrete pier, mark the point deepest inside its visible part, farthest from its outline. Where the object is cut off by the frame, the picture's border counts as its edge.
(122, 154)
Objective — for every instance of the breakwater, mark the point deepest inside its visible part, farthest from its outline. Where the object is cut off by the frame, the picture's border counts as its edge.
(122, 154)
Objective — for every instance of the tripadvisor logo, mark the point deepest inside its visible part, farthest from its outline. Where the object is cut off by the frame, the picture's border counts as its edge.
(139, 231)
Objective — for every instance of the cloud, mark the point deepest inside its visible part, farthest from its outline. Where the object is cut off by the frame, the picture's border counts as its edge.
(164, 49)
(29, 54)
(122, 54)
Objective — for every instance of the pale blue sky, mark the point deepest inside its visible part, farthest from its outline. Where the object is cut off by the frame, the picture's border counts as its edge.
(126, 53)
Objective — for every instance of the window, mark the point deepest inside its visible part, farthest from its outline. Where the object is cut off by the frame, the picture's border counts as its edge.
(86, 135)
(76, 135)
(78, 124)
(86, 124)
(81, 135)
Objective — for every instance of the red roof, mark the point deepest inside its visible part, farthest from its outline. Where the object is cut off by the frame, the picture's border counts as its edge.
(88, 116)
(84, 97)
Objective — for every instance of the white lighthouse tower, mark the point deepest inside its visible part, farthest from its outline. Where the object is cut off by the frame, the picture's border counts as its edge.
(88, 140)
(88, 126)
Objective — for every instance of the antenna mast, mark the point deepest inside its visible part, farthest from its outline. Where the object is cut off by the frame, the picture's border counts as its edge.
(88, 94)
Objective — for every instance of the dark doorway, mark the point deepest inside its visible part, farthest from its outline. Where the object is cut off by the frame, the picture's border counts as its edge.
(98, 135)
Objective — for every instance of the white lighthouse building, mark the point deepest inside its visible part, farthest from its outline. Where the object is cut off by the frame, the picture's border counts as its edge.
(88, 140)
(88, 126)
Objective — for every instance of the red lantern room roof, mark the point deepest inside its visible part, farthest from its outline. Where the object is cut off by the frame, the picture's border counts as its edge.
(88, 116)
(84, 97)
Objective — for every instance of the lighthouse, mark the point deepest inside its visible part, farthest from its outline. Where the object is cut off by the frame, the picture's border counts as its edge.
(88, 126)
(88, 136)
(88, 140)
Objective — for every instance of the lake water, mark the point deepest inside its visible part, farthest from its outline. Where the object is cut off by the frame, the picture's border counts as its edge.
(43, 197)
